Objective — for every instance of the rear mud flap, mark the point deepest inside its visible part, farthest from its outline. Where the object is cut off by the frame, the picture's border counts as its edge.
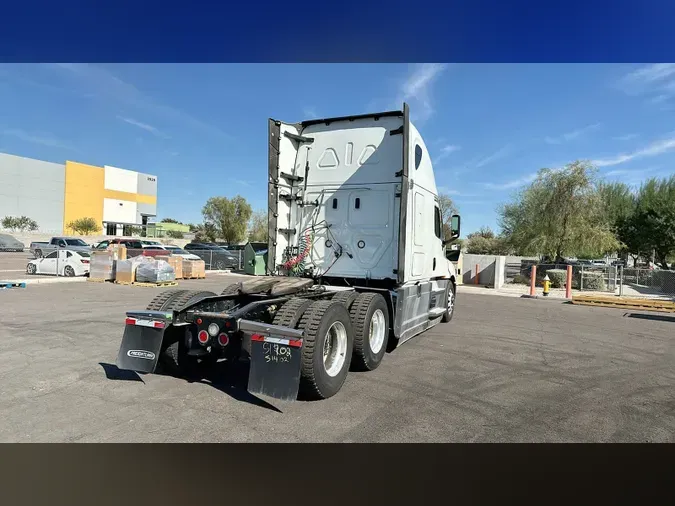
(141, 344)
(275, 367)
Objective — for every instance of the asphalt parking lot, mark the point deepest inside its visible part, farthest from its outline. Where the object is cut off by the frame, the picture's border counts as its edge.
(504, 370)
(13, 264)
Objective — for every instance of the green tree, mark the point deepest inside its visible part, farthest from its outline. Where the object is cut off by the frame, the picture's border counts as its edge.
(448, 208)
(230, 217)
(84, 226)
(485, 242)
(559, 214)
(258, 229)
(653, 223)
(206, 232)
(175, 234)
(169, 220)
(21, 223)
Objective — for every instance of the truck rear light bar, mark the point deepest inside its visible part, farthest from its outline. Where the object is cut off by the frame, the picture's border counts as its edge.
(145, 323)
(295, 343)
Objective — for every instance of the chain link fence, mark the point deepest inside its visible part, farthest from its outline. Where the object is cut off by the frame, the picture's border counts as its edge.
(647, 282)
(618, 280)
(596, 278)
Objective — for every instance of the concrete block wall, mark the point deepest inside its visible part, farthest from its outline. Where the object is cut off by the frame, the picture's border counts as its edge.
(491, 270)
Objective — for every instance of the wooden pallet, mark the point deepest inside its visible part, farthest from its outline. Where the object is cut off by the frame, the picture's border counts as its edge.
(160, 283)
(11, 284)
(625, 303)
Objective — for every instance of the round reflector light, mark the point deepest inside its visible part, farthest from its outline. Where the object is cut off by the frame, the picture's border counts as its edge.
(213, 329)
(203, 336)
(223, 339)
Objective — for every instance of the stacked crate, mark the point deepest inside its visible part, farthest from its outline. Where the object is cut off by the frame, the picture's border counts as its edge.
(174, 261)
(194, 269)
(102, 266)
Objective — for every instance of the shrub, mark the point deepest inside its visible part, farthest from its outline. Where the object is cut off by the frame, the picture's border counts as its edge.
(21, 223)
(520, 279)
(175, 234)
(558, 277)
(593, 280)
(84, 226)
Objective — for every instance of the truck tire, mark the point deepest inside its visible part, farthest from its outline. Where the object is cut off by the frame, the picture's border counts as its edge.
(174, 358)
(346, 297)
(370, 319)
(452, 292)
(290, 313)
(327, 331)
(162, 299)
(38, 253)
(232, 289)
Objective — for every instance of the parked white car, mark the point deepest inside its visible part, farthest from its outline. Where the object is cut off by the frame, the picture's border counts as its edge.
(175, 250)
(66, 262)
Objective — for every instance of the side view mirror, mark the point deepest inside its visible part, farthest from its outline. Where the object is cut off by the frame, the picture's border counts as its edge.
(455, 229)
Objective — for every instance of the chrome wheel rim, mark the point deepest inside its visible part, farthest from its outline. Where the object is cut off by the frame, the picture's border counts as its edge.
(451, 301)
(376, 331)
(335, 349)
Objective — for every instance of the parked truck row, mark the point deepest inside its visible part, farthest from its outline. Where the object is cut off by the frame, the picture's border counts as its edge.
(356, 266)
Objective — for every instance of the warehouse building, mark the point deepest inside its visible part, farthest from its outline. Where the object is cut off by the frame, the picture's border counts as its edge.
(55, 194)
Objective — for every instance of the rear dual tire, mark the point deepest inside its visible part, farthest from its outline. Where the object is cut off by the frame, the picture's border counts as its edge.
(370, 319)
(328, 344)
(173, 357)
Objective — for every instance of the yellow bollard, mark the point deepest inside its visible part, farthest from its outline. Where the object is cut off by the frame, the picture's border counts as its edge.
(547, 285)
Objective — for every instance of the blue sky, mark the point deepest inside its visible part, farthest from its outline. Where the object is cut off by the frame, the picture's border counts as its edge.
(202, 129)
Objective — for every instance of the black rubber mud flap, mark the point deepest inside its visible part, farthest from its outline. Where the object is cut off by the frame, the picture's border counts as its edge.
(142, 340)
(275, 367)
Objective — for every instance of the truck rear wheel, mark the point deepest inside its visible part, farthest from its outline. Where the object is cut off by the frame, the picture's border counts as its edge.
(328, 343)
(290, 313)
(370, 319)
(174, 357)
(346, 297)
(232, 289)
(162, 299)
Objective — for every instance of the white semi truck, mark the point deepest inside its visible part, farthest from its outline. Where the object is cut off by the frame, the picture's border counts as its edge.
(356, 266)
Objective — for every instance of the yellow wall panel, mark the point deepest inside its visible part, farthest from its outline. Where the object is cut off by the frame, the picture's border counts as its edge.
(83, 193)
(131, 197)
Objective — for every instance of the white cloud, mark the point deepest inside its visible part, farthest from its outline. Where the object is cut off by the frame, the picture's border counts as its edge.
(497, 155)
(657, 80)
(241, 182)
(143, 126)
(651, 73)
(514, 183)
(569, 136)
(654, 149)
(45, 139)
(105, 84)
(309, 113)
(416, 90)
(446, 151)
(630, 172)
(626, 137)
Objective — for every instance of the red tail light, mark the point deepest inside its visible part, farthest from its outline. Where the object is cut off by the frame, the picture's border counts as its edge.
(203, 336)
(223, 339)
(84, 261)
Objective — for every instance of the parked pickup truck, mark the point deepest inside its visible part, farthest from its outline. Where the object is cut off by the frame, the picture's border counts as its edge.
(41, 249)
